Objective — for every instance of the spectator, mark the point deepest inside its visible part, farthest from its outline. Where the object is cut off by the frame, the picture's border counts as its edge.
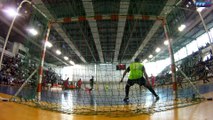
(91, 83)
(79, 83)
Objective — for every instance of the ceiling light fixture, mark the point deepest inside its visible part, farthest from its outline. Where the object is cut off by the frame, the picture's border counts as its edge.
(199, 9)
(33, 31)
(150, 56)
(71, 62)
(58, 52)
(157, 50)
(166, 42)
(11, 12)
(66, 58)
(48, 44)
(182, 27)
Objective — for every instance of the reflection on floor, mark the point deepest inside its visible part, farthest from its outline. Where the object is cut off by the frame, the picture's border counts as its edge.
(113, 96)
(14, 111)
(109, 100)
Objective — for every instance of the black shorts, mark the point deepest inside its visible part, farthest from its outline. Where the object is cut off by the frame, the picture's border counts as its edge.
(140, 81)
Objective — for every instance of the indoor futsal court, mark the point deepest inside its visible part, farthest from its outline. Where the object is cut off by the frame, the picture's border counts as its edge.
(106, 59)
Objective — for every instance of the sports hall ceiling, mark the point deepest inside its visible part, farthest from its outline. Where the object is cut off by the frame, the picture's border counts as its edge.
(107, 31)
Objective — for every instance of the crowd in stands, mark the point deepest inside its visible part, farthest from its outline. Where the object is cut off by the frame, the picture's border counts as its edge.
(16, 70)
(51, 78)
(11, 72)
(203, 47)
(194, 66)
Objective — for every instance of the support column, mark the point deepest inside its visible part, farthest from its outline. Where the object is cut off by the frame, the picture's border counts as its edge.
(206, 29)
(204, 24)
(174, 82)
(42, 63)
(10, 29)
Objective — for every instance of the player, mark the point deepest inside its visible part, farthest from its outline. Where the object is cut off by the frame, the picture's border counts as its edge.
(137, 74)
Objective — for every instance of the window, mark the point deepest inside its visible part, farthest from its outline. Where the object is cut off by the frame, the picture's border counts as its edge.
(192, 47)
(182, 53)
(202, 40)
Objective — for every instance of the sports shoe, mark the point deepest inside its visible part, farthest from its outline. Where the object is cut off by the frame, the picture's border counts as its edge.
(126, 99)
(157, 98)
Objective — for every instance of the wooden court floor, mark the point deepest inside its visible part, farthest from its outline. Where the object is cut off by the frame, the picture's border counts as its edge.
(14, 111)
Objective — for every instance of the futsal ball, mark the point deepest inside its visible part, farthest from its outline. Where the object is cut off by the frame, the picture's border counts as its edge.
(106, 87)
